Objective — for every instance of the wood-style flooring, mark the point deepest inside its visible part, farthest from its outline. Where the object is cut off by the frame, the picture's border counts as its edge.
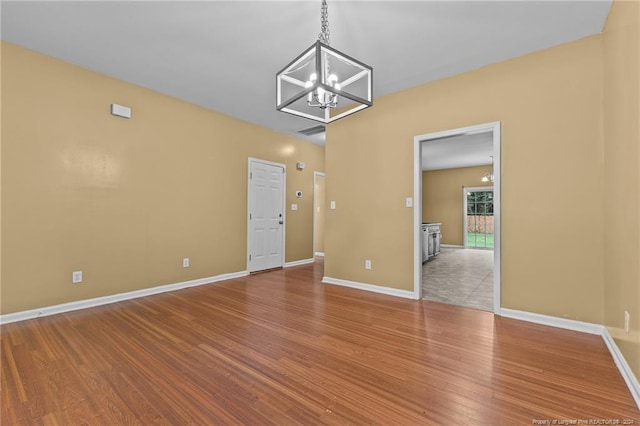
(282, 348)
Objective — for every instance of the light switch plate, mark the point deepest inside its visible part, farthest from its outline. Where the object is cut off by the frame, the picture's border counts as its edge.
(332, 205)
(409, 202)
(294, 206)
(76, 277)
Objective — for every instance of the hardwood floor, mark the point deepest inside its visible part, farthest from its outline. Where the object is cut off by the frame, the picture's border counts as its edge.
(283, 348)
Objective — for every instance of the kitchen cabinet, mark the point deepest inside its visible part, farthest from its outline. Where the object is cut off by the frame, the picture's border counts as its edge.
(431, 235)
(424, 240)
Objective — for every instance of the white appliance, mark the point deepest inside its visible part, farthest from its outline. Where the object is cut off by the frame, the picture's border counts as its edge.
(431, 235)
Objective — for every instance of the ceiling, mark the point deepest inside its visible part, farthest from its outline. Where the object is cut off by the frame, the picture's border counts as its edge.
(224, 55)
(465, 150)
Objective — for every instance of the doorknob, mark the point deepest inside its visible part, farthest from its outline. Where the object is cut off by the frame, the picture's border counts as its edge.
(281, 222)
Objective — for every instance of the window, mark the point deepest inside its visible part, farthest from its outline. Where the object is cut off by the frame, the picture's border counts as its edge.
(479, 218)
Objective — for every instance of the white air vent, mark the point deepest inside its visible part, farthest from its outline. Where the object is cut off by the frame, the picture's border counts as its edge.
(312, 130)
(120, 111)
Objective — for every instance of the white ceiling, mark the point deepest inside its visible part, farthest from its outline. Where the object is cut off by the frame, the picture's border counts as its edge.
(458, 151)
(223, 55)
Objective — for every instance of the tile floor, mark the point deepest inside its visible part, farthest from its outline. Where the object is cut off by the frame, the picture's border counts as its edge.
(461, 277)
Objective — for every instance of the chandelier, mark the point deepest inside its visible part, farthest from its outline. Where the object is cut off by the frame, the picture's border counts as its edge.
(322, 83)
(488, 177)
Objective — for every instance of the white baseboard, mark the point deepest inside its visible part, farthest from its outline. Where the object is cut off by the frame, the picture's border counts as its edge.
(585, 327)
(370, 287)
(299, 262)
(628, 376)
(565, 323)
(98, 301)
(319, 253)
(451, 246)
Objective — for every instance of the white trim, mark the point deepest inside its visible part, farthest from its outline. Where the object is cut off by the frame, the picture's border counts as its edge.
(451, 246)
(494, 127)
(319, 253)
(105, 300)
(628, 376)
(369, 287)
(567, 324)
(313, 221)
(585, 327)
(284, 207)
(497, 215)
(299, 262)
(417, 218)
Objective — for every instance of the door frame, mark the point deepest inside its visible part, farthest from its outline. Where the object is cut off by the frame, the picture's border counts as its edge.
(251, 160)
(315, 176)
(466, 189)
(417, 208)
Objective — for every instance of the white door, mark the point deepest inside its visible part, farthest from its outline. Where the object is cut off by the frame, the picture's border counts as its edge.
(266, 215)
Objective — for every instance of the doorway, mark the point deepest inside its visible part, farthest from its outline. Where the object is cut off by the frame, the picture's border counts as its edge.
(318, 213)
(265, 215)
(493, 129)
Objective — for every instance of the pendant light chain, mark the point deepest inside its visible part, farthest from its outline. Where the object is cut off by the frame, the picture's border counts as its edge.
(323, 37)
(324, 24)
(324, 88)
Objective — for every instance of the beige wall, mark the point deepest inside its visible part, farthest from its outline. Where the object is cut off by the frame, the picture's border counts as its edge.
(126, 200)
(320, 213)
(442, 199)
(550, 106)
(622, 177)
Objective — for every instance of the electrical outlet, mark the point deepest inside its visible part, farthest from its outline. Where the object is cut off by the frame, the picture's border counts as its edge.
(76, 277)
(185, 262)
(332, 205)
(627, 319)
(367, 264)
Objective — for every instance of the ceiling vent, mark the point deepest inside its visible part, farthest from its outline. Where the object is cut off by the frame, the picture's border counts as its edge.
(310, 131)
